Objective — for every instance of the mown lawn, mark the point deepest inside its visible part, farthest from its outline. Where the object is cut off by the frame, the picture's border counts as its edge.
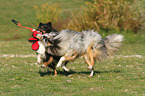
(121, 75)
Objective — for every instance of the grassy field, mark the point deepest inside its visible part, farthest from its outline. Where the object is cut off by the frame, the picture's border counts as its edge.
(121, 75)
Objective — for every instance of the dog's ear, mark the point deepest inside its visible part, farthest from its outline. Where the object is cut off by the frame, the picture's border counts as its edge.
(49, 24)
(40, 24)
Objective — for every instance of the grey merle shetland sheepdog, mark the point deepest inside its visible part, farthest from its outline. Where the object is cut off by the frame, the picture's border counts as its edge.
(69, 45)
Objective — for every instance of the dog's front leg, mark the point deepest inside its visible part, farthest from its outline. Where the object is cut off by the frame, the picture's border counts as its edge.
(65, 69)
(60, 61)
(67, 57)
(38, 58)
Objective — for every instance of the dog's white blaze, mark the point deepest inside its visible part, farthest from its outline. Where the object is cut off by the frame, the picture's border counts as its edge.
(60, 61)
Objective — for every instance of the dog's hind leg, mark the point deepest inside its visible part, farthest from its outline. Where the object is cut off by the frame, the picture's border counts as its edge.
(90, 66)
(92, 72)
(90, 54)
(88, 61)
(91, 58)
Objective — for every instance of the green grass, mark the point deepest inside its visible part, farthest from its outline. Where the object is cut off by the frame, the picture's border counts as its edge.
(19, 76)
(117, 76)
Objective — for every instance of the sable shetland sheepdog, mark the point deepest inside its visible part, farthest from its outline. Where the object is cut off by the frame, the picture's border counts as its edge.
(71, 44)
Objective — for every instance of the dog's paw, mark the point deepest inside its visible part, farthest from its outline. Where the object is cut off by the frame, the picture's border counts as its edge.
(67, 70)
(43, 66)
(90, 67)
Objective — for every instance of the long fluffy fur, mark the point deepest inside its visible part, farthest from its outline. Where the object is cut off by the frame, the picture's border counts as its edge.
(71, 44)
(113, 43)
(73, 41)
(108, 46)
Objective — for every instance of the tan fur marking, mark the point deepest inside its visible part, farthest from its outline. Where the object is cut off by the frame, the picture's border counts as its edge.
(96, 53)
(55, 72)
(89, 52)
(86, 58)
(49, 61)
(68, 58)
(49, 44)
(45, 63)
(42, 30)
(38, 37)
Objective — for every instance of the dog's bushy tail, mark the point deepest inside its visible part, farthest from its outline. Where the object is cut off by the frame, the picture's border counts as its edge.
(112, 43)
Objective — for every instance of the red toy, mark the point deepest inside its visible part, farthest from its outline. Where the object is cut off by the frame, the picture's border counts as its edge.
(37, 35)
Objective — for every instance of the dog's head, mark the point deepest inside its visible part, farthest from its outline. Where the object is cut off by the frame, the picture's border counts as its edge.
(46, 27)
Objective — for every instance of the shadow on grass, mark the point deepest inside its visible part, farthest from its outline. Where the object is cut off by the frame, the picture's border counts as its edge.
(58, 72)
(71, 72)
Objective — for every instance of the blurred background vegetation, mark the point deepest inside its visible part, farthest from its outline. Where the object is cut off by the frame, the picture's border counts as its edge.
(105, 16)
(118, 15)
